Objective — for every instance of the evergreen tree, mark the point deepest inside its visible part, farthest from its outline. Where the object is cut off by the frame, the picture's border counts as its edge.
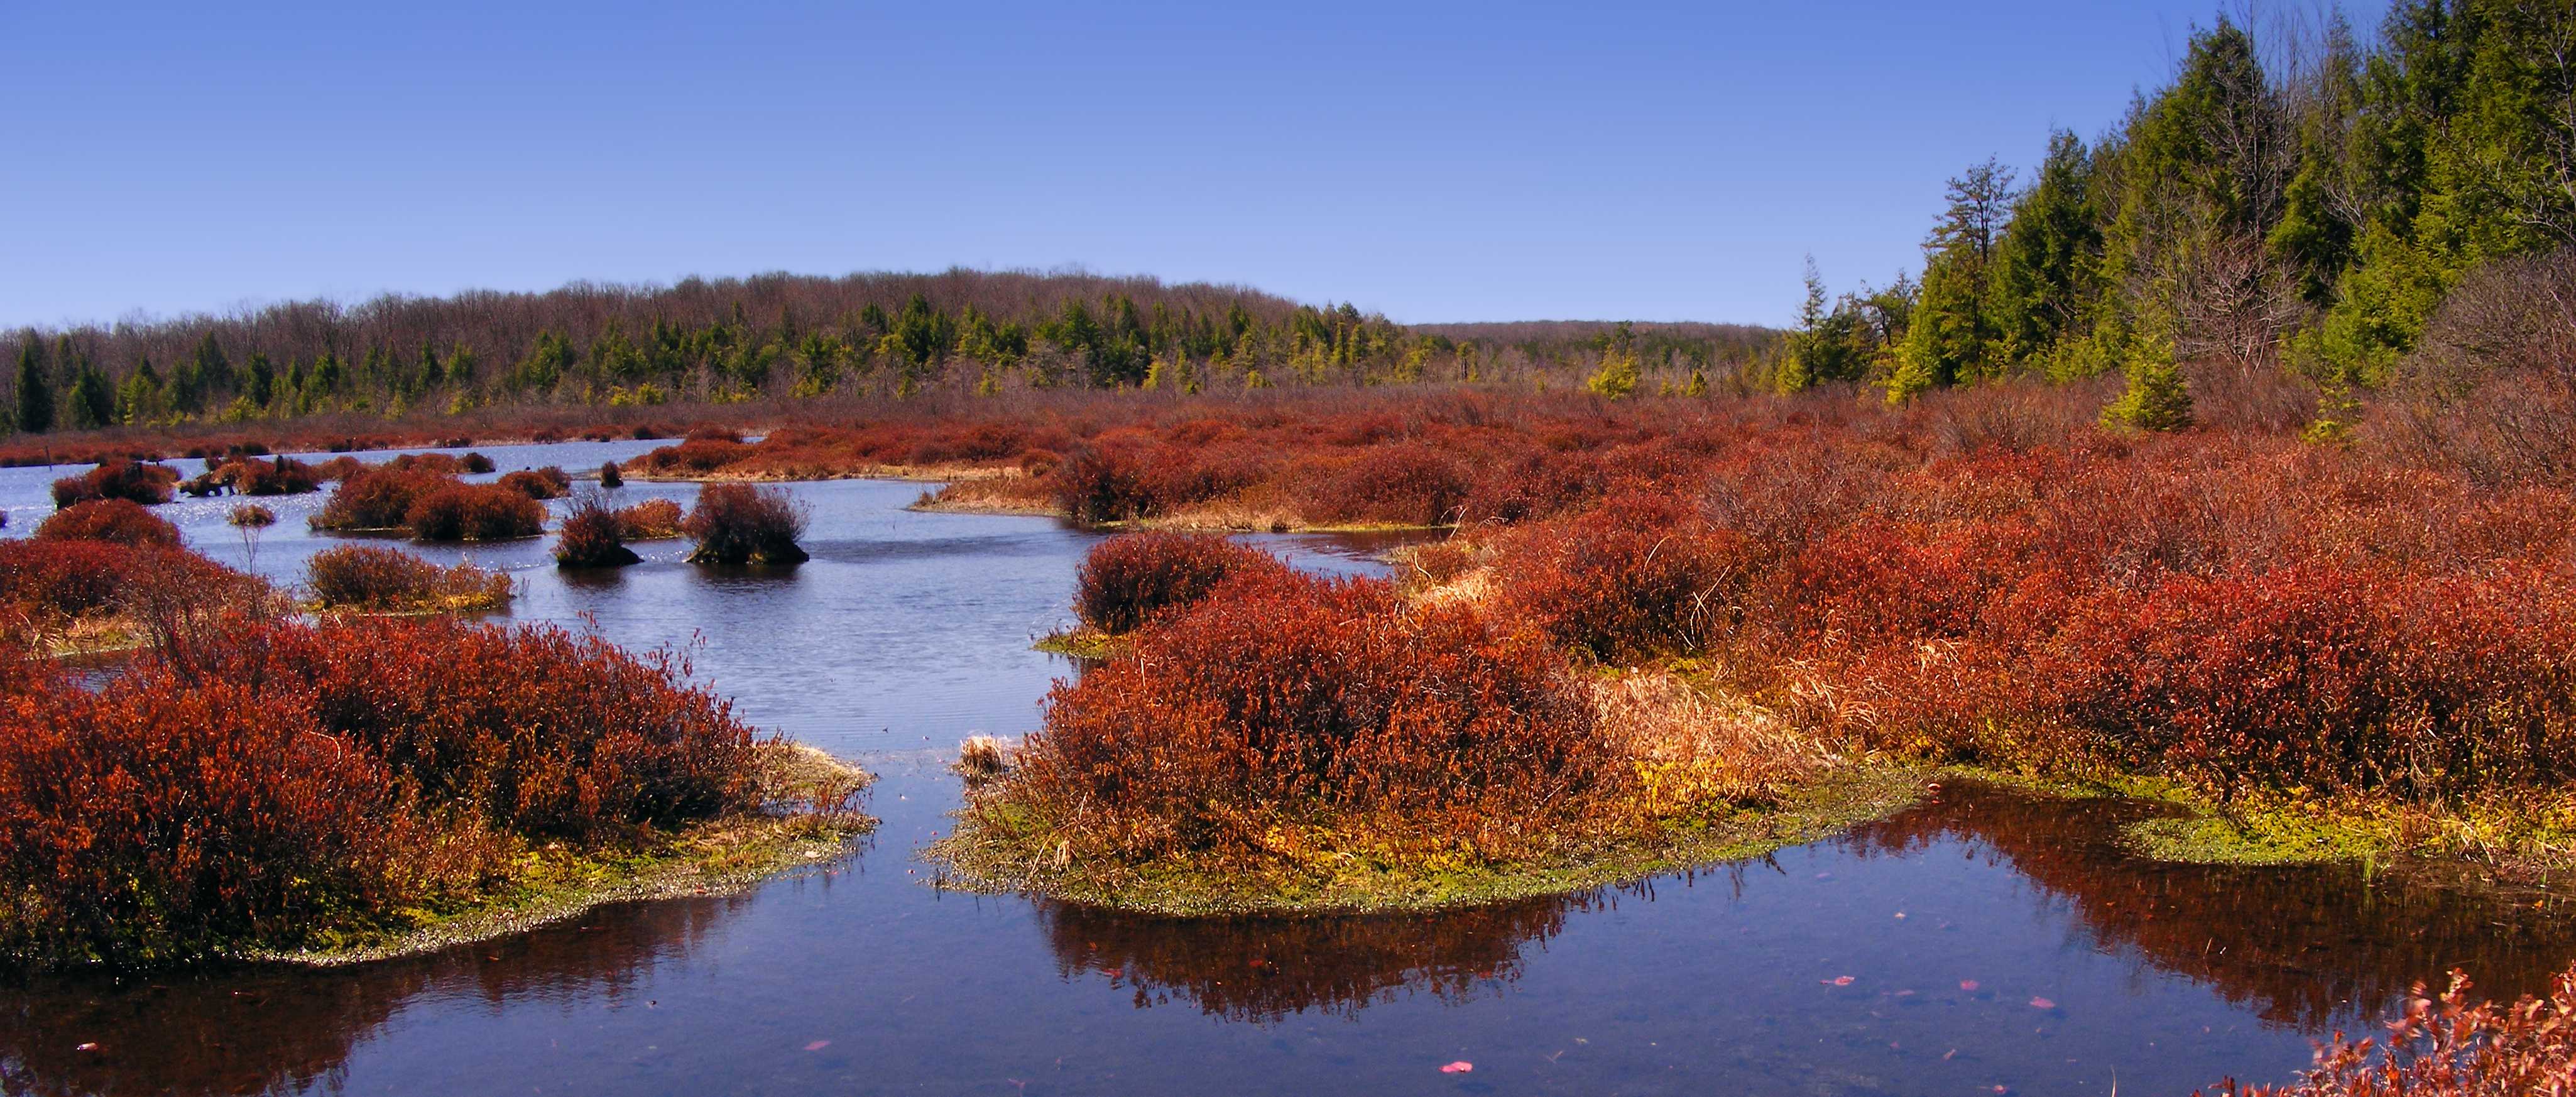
(1950, 337)
(35, 389)
(2157, 398)
(92, 402)
(263, 378)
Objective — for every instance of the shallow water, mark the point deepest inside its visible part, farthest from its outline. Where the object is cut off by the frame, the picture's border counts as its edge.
(909, 631)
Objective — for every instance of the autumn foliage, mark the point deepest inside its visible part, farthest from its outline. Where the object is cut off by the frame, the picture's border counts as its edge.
(379, 579)
(1285, 712)
(592, 536)
(277, 783)
(1127, 581)
(474, 512)
(149, 485)
(118, 521)
(741, 524)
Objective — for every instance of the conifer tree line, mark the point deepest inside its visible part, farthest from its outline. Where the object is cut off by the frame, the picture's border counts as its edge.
(787, 337)
(2300, 201)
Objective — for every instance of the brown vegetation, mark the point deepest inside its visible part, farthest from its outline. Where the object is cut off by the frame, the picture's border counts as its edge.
(474, 512)
(149, 485)
(650, 520)
(740, 524)
(384, 580)
(592, 536)
(114, 520)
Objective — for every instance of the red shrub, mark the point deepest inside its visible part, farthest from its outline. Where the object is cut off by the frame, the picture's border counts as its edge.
(149, 485)
(650, 520)
(372, 577)
(378, 498)
(1284, 701)
(696, 455)
(444, 464)
(64, 577)
(538, 485)
(341, 468)
(1126, 581)
(592, 536)
(115, 520)
(284, 476)
(283, 781)
(1638, 576)
(1409, 484)
(474, 512)
(1103, 483)
(741, 524)
(1535, 485)
(147, 825)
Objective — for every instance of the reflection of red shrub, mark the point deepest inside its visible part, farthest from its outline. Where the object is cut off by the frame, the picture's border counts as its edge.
(475, 512)
(115, 520)
(1284, 700)
(1126, 581)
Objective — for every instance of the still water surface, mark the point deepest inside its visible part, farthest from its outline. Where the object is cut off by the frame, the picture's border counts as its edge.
(1984, 941)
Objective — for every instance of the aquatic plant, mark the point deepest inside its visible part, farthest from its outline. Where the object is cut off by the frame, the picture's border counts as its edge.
(380, 579)
(116, 520)
(741, 524)
(592, 536)
(981, 758)
(474, 512)
(1126, 581)
(609, 477)
(283, 476)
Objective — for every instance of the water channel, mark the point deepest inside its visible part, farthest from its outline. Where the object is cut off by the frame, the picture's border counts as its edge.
(1985, 941)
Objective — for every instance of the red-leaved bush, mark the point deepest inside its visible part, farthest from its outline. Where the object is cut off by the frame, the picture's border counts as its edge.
(742, 524)
(592, 536)
(1128, 580)
(149, 485)
(118, 521)
(378, 497)
(281, 782)
(474, 512)
(1284, 701)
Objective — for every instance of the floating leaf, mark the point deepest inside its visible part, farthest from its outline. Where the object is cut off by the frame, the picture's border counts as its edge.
(818, 1045)
(1967, 984)
(1460, 1067)
(2042, 1003)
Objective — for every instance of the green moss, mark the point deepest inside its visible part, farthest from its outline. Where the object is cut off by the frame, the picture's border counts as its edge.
(995, 853)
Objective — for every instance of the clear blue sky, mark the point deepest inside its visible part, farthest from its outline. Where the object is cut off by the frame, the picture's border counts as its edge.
(1483, 161)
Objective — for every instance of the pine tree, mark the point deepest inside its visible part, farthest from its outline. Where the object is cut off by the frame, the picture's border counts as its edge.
(93, 399)
(35, 390)
(2157, 398)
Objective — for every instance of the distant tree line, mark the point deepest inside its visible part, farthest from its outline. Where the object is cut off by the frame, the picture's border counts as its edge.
(2301, 201)
(782, 336)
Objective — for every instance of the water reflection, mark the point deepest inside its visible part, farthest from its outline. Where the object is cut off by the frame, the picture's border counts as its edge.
(273, 1029)
(2314, 947)
(1262, 970)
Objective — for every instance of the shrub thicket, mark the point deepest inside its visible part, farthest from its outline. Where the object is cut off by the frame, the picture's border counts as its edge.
(650, 520)
(546, 483)
(374, 578)
(114, 520)
(279, 783)
(742, 524)
(474, 512)
(372, 498)
(592, 536)
(149, 485)
(1287, 712)
(1128, 580)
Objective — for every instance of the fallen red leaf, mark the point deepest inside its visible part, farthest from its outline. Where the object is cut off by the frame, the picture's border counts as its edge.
(818, 1045)
(2042, 1003)
(1967, 984)
(1460, 1067)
